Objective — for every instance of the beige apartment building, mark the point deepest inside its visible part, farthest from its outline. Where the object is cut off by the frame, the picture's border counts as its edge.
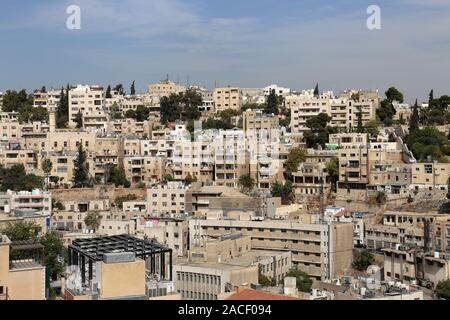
(84, 99)
(203, 199)
(227, 98)
(411, 264)
(171, 232)
(167, 200)
(20, 279)
(353, 160)
(310, 179)
(343, 110)
(263, 144)
(398, 228)
(12, 154)
(430, 176)
(165, 88)
(322, 251)
(147, 169)
(231, 158)
(442, 233)
(49, 99)
(235, 249)
(206, 281)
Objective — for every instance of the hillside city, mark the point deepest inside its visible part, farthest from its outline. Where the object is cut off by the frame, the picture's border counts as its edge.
(186, 193)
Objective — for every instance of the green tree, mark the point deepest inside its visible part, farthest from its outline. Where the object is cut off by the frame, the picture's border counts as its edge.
(79, 120)
(22, 230)
(120, 200)
(448, 188)
(363, 260)
(190, 101)
(62, 111)
(16, 179)
(119, 89)
(443, 289)
(92, 220)
(427, 144)
(115, 113)
(190, 179)
(430, 98)
(170, 109)
(54, 252)
(392, 94)
(381, 198)
(246, 182)
(285, 192)
(47, 166)
(295, 157)
(80, 172)
(415, 119)
(319, 130)
(108, 92)
(117, 177)
(264, 280)
(304, 282)
(372, 127)
(132, 89)
(140, 114)
(272, 103)
(360, 128)
(316, 90)
(332, 168)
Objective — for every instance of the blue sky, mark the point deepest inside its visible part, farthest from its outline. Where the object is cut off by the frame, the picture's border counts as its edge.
(248, 43)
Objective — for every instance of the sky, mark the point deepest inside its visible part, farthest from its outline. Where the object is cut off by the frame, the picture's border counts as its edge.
(247, 43)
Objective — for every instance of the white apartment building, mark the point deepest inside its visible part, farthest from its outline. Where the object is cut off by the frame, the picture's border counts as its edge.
(280, 91)
(86, 99)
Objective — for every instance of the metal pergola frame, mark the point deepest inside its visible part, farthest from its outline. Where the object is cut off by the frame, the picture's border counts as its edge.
(91, 250)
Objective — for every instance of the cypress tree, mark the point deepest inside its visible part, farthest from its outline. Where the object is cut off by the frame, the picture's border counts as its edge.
(414, 121)
(108, 92)
(132, 89)
(360, 128)
(316, 90)
(80, 172)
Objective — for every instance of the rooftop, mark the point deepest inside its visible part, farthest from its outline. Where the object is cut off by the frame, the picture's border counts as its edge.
(250, 294)
(96, 248)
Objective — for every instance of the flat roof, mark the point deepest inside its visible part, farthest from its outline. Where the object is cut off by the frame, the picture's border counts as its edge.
(95, 248)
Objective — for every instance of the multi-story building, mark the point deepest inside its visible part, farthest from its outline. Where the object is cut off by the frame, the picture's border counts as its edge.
(20, 279)
(49, 99)
(344, 110)
(263, 144)
(171, 232)
(310, 179)
(430, 176)
(412, 264)
(227, 98)
(398, 228)
(167, 200)
(321, 250)
(441, 233)
(84, 99)
(146, 169)
(231, 157)
(165, 88)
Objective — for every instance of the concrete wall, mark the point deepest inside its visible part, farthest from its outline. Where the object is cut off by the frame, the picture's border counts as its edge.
(27, 284)
(122, 279)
